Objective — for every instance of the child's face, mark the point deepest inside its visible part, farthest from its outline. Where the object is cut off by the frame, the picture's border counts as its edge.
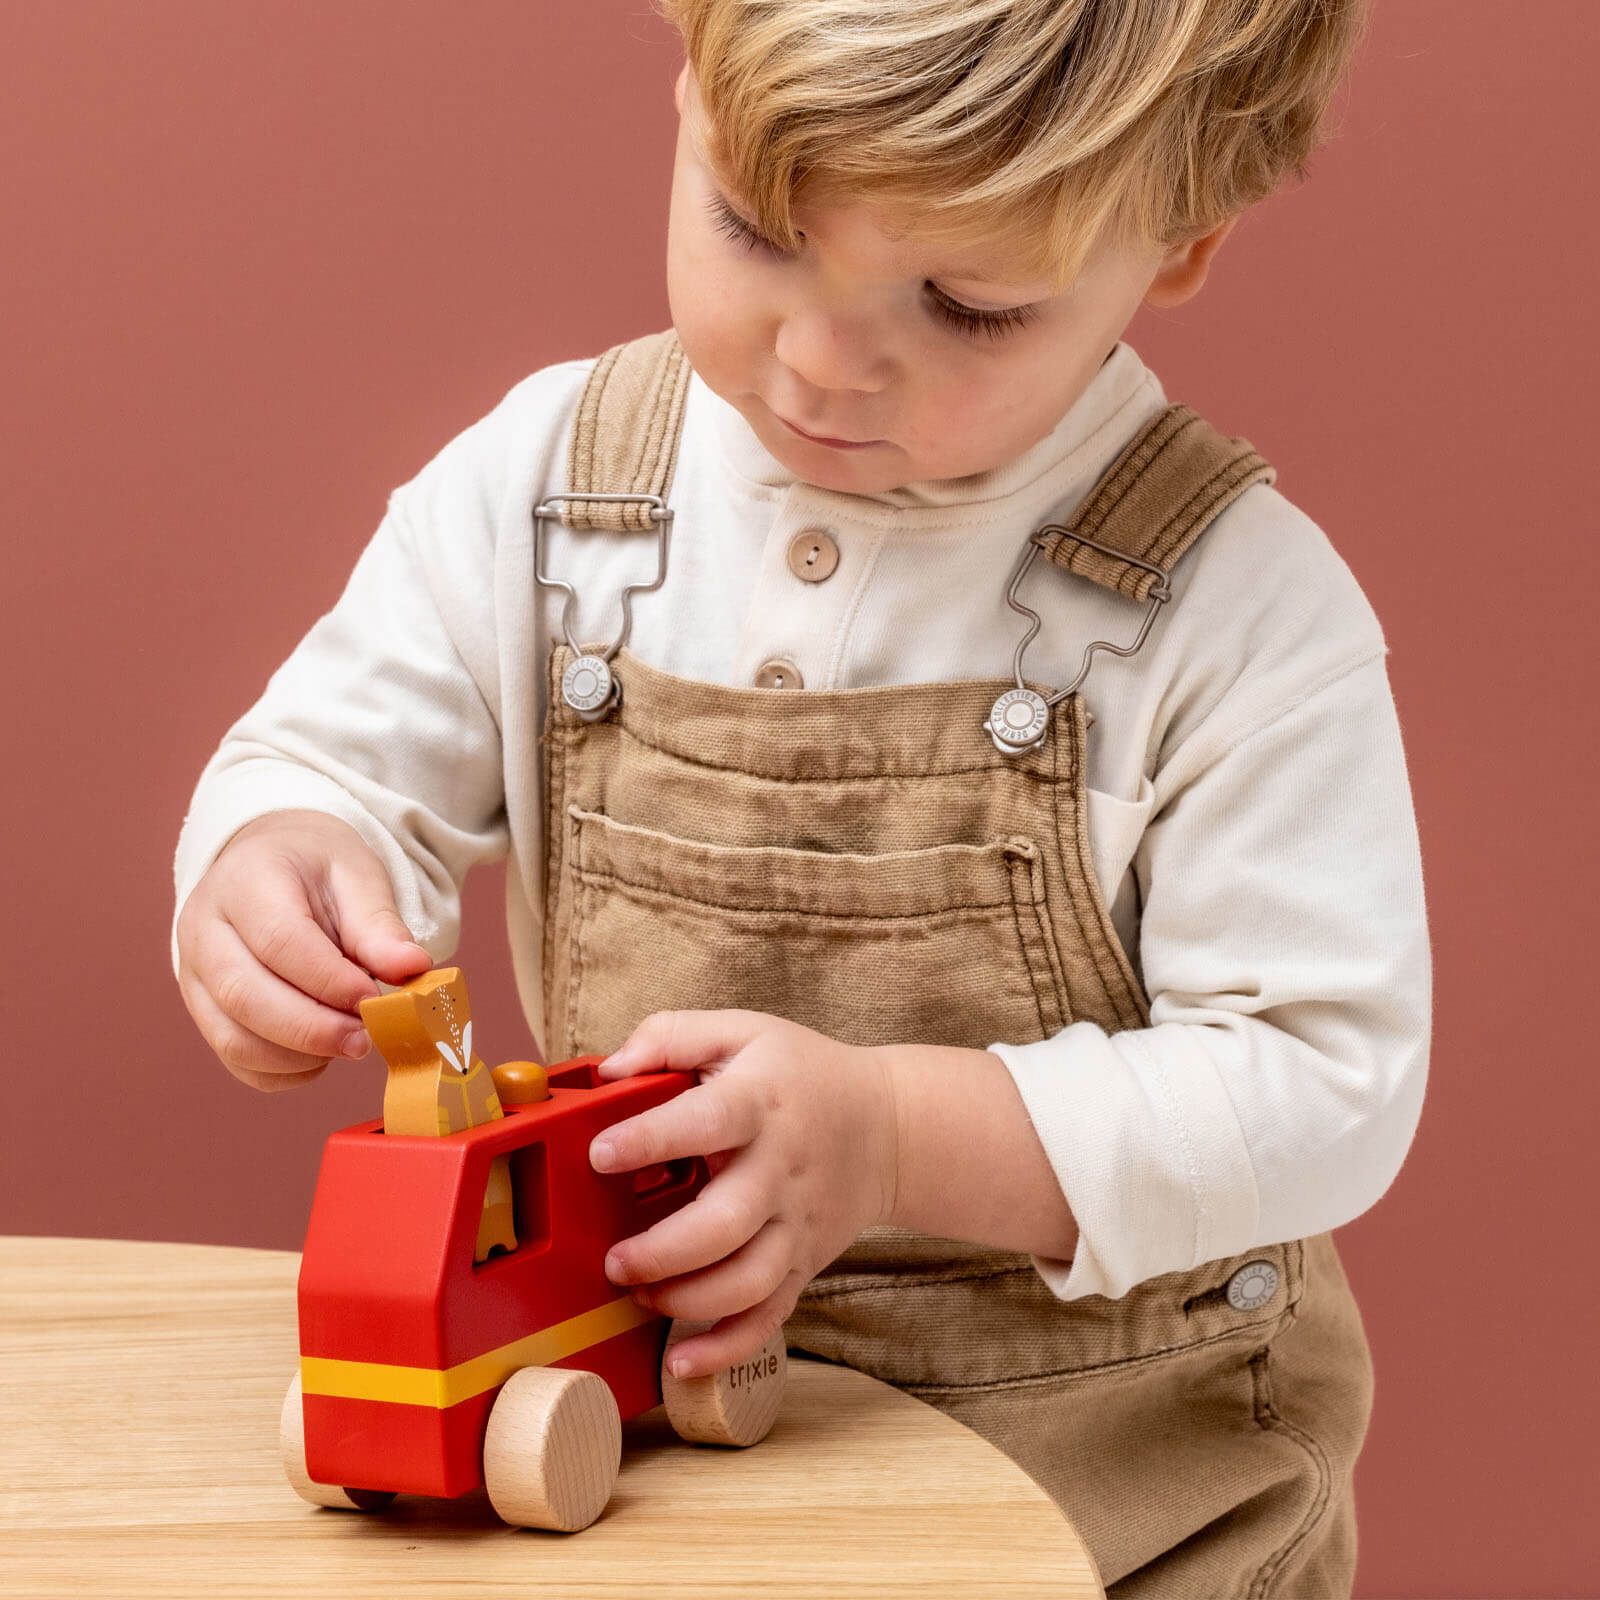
(851, 338)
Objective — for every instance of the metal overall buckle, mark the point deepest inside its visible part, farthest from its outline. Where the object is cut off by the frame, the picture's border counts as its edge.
(1019, 719)
(588, 685)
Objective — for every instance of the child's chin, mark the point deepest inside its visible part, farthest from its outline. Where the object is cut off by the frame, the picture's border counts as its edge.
(854, 471)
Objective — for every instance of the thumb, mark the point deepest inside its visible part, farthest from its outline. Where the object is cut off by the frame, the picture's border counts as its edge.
(681, 1041)
(371, 931)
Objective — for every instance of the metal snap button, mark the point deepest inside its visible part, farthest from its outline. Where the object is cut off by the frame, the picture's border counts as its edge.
(778, 674)
(1017, 721)
(1252, 1286)
(813, 555)
(587, 684)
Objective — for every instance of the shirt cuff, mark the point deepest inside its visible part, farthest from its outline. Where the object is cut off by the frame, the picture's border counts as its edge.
(225, 802)
(1143, 1138)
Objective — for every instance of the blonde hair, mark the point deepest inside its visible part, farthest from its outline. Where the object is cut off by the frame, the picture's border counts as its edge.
(1044, 122)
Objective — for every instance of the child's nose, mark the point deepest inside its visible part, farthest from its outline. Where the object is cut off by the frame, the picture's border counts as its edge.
(835, 350)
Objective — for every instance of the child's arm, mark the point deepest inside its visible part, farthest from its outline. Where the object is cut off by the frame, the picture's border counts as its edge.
(339, 816)
(1284, 949)
(968, 1161)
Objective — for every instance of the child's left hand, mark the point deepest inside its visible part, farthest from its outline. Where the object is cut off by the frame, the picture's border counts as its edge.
(799, 1133)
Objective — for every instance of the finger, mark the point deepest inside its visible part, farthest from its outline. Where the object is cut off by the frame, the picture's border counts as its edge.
(741, 1277)
(738, 1337)
(681, 1041)
(723, 1217)
(368, 926)
(260, 1003)
(277, 925)
(250, 1058)
(716, 1115)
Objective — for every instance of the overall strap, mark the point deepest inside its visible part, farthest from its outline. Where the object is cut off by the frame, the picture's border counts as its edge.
(625, 435)
(1154, 501)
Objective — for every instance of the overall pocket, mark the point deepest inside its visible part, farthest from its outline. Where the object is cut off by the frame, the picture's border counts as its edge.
(949, 944)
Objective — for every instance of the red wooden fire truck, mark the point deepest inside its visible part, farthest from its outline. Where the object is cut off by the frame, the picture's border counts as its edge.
(424, 1370)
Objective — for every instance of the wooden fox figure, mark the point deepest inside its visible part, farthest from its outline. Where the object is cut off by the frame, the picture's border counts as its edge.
(436, 1084)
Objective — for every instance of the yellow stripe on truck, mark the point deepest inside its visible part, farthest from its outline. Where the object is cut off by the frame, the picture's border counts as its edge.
(432, 1386)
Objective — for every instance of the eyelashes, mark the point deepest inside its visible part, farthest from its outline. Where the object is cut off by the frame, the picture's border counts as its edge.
(965, 319)
(733, 225)
(993, 323)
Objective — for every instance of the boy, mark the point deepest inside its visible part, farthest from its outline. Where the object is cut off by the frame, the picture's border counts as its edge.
(1055, 1026)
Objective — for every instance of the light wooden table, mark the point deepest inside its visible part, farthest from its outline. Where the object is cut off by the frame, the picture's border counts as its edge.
(139, 1394)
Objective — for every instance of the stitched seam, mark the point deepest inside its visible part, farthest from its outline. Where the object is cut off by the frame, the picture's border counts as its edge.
(859, 1282)
(852, 611)
(574, 947)
(1235, 476)
(591, 876)
(1110, 958)
(1109, 572)
(1036, 1379)
(1057, 723)
(1327, 681)
(1193, 514)
(653, 435)
(679, 397)
(1164, 429)
(1047, 932)
(1196, 513)
(657, 432)
(585, 430)
(555, 820)
(1268, 1420)
(1013, 864)
(1078, 886)
(877, 1281)
(983, 770)
(1167, 439)
(1198, 1195)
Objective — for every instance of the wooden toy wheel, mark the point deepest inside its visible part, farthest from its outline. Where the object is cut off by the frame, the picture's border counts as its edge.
(292, 1444)
(552, 1448)
(735, 1406)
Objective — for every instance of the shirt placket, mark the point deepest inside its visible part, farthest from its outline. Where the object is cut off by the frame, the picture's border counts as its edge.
(813, 565)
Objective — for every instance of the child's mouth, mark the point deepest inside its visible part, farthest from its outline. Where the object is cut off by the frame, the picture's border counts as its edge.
(833, 444)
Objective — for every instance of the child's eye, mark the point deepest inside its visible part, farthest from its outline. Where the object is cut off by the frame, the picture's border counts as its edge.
(969, 320)
(731, 223)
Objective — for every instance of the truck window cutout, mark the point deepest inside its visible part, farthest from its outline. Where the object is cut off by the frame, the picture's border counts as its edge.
(650, 1183)
(530, 1206)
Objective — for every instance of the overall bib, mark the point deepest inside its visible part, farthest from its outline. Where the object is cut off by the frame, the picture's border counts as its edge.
(868, 863)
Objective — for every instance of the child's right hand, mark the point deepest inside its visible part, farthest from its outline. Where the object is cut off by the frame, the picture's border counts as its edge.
(279, 942)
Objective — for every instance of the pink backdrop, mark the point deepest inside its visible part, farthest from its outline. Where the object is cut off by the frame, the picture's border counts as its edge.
(259, 263)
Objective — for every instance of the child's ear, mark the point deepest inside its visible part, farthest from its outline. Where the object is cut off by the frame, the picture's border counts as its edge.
(679, 87)
(1184, 267)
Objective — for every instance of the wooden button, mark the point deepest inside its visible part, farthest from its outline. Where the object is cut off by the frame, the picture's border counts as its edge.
(813, 555)
(778, 674)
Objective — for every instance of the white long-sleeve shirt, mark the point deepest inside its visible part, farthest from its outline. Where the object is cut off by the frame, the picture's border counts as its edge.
(1249, 814)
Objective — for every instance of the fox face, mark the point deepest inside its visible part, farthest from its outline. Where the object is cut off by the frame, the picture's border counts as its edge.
(445, 1017)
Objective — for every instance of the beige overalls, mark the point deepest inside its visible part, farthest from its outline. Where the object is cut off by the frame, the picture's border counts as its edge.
(868, 862)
